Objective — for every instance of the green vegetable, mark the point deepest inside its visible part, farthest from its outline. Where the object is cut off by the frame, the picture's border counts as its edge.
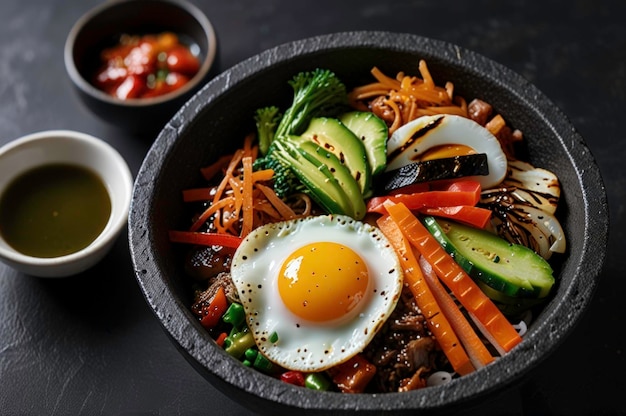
(373, 132)
(235, 316)
(286, 182)
(333, 136)
(316, 381)
(267, 119)
(316, 93)
(237, 342)
(512, 269)
(317, 177)
(509, 305)
(253, 358)
(341, 175)
(262, 363)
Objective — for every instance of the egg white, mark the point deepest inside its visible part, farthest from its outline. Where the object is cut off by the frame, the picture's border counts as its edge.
(309, 346)
(440, 129)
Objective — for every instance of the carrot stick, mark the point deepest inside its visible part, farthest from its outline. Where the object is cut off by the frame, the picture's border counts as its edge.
(475, 348)
(388, 82)
(455, 278)
(208, 172)
(210, 211)
(234, 162)
(436, 320)
(285, 211)
(262, 175)
(246, 227)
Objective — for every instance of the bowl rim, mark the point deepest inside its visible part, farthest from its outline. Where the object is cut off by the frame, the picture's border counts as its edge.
(89, 89)
(216, 363)
(117, 219)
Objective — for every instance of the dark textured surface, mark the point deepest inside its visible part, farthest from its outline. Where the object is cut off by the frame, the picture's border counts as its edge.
(90, 344)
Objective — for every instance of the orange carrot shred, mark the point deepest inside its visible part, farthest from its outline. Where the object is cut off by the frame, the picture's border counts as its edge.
(246, 227)
(213, 169)
(283, 209)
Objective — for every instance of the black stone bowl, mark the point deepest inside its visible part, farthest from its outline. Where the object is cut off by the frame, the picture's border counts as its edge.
(215, 121)
(101, 27)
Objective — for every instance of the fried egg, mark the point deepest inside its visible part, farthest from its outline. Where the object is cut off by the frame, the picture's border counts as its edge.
(316, 290)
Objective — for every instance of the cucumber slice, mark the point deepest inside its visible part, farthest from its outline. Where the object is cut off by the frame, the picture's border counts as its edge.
(373, 131)
(512, 269)
(510, 306)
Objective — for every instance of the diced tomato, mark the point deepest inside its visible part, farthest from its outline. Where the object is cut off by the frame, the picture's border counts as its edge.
(214, 311)
(146, 66)
(133, 86)
(293, 377)
(181, 60)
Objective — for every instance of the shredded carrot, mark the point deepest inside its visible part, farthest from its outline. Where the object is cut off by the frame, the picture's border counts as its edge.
(283, 209)
(476, 349)
(437, 322)
(204, 217)
(239, 202)
(462, 286)
(209, 172)
(246, 227)
(408, 97)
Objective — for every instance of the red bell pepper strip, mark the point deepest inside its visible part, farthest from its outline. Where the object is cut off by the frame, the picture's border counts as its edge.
(450, 194)
(205, 239)
(474, 216)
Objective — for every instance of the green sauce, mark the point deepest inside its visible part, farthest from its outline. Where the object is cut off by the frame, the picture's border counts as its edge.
(54, 210)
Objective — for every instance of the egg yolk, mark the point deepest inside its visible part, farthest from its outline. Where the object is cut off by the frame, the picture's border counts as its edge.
(446, 150)
(323, 281)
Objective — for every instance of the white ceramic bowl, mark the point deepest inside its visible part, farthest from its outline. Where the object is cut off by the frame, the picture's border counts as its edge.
(64, 146)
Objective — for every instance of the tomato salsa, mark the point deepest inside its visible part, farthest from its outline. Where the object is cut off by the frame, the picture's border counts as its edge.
(144, 66)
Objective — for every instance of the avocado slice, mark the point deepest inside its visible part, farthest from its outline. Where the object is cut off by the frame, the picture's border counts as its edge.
(373, 132)
(340, 173)
(317, 177)
(332, 135)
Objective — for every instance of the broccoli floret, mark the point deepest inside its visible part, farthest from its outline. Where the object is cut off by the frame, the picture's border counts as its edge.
(316, 93)
(285, 181)
(267, 119)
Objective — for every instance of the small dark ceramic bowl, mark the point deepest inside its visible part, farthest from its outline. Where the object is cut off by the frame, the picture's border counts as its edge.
(217, 118)
(101, 27)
